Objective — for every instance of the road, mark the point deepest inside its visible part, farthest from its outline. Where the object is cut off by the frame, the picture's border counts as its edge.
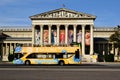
(52, 72)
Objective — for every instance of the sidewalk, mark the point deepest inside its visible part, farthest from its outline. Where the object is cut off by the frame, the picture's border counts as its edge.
(5, 62)
(100, 62)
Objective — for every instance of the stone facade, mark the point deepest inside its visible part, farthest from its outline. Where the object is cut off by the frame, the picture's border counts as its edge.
(60, 23)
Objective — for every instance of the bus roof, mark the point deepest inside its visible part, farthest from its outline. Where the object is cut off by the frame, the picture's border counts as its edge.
(49, 49)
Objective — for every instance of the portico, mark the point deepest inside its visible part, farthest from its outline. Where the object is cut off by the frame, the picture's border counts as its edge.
(62, 27)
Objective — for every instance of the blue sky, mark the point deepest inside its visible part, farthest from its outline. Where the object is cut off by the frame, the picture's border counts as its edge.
(17, 12)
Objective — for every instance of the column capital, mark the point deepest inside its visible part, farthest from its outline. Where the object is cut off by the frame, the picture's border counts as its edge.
(58, 25)
(66, 25)
(92, 25)
(83, 25)
(49, 25)
(75, 25)
(41, 25)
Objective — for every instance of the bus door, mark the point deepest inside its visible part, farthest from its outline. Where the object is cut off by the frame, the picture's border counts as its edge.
(77, 56)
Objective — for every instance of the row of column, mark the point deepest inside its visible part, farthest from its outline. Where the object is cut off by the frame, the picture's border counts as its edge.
(66, 35)
(7, 48)
(103, 48)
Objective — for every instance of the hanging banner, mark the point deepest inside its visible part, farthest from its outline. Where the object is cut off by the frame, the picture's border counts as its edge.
(79, 36)
(54, 37)
(70, 36)
(87, 38)
(62, 36)
(45, 36)
(37, 36)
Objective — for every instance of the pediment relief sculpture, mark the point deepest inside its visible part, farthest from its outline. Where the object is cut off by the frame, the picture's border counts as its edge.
(62, 13)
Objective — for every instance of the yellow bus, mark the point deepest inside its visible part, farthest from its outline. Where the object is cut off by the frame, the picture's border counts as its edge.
(49, 55)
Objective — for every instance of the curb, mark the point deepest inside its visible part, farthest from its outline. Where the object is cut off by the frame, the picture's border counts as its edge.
(5, 62)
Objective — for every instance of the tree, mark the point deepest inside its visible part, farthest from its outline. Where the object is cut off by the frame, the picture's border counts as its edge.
(115, 38)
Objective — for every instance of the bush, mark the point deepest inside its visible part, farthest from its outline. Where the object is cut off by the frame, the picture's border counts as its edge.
(109, 58)
(11, 57)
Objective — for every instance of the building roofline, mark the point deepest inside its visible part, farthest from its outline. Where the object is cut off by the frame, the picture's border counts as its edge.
(40, 16)
(29, 28)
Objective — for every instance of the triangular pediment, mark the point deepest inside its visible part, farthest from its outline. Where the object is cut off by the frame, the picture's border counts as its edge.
(62, 13)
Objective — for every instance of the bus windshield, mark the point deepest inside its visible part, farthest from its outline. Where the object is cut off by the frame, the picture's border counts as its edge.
(18, 55)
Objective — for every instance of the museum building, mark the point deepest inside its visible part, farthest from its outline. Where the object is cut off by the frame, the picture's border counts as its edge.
(60, 27)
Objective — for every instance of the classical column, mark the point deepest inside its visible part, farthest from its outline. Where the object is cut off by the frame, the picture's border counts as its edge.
(41, 34)
(83, 39)
(49, 26)
(58, 33)
(91, 40)
(113, 48)
(66, 34)
(33, 35)
(10, 48)
(74, 37)
(14, 45)
(1, 46)
(6, 46)
(3, 49)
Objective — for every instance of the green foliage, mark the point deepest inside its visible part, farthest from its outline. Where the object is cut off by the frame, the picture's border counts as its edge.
(109, 58)
(116, 37)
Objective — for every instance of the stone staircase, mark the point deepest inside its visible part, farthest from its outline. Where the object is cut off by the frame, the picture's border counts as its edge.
(89, 58)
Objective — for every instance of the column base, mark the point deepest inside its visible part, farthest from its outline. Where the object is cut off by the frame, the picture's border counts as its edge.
(5, 58)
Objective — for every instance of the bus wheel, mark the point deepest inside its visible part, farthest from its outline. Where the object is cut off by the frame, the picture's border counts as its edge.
(61, 63)
(27, 62)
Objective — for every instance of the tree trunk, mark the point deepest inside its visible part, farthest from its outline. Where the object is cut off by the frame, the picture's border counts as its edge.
(118, 55)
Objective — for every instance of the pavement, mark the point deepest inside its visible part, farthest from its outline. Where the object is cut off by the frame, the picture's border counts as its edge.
(100, 62)
(5, 62)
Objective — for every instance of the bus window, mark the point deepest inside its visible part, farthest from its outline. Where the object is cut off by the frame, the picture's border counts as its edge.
(51, 55)
(65, 56)
(69, 55)
(33, 55)
(60, 55)
(42, 55)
